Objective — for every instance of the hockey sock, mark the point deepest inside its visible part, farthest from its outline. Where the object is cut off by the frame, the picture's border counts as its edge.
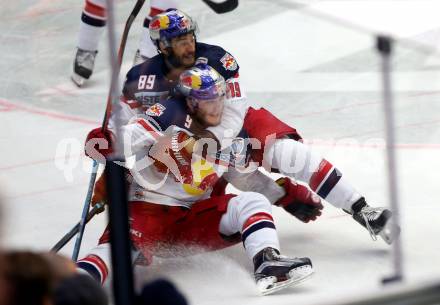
(250, 214)
(329, 183)
(258, 233)
(93, 20)
(95, 266)
(296, 160)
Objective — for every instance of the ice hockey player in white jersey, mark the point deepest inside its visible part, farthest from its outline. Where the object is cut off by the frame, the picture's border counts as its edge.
(173, 201)
(93, 21)
(281, 149)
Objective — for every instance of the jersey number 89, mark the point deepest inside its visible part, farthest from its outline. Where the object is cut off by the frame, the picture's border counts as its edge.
(146, 82)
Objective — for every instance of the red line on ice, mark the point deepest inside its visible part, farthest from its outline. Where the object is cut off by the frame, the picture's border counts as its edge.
(49, 114)
(55, 189)
(336, 143)
(35, 162)
(413, 125)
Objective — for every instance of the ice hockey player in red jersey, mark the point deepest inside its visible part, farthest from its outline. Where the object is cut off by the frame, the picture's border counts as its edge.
(173, 202)
(93, 20)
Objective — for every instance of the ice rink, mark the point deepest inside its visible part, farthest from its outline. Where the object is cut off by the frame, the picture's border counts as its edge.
(311, 70)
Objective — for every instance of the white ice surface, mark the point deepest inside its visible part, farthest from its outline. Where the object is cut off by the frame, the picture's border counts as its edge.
(319, 77)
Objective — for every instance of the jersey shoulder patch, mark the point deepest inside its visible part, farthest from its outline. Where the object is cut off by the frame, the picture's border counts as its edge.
(218, 58)
(229, 62)
(171, 112)
(156, 110)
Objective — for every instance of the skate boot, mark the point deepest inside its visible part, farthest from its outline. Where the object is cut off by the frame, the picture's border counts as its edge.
(83, 66)
(139, 58)
(376, 220)
(274, 272)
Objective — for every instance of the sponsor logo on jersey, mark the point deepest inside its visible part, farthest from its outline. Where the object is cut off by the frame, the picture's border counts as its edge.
(148, 99)
(228, 62)
(200, 170)
(156, 110)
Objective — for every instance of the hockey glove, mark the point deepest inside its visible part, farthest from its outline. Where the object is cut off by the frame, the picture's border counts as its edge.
(98, 144)
(299, 201)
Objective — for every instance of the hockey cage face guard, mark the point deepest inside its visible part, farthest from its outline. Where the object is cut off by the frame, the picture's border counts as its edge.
(202, 83)
(168, 25)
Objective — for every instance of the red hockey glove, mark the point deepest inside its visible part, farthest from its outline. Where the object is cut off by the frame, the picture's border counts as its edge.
(299, 201)
(173, 152)
(98, 142)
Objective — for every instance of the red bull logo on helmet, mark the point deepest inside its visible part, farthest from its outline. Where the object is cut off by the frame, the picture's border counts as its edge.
(192, 81)
(160, 22)
(229, 62)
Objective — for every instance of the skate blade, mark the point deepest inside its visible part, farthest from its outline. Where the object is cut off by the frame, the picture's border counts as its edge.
(78, 80)
(390, 232)
(297, 276)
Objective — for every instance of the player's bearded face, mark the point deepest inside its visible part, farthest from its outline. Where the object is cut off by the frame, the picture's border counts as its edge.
(184, 50)
(209, 112)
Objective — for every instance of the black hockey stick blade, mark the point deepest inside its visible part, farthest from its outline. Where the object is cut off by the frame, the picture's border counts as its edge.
(222, 7)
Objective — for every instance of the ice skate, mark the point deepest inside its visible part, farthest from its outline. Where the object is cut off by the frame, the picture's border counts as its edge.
(274, 272)
(83, 66)
(377, 220)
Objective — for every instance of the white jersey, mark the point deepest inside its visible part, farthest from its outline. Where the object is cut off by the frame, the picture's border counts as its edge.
(151, 185)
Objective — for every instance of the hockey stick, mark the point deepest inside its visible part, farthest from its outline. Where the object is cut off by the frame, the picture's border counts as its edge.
(66, 238)
(82, 223)
(222, 7)
(128, 23)
(86, 207)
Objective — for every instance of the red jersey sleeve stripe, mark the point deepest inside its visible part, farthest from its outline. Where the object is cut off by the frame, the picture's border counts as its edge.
(150, 128)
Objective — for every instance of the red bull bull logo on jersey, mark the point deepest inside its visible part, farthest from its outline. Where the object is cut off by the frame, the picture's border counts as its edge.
(156, 110)
(229, 62)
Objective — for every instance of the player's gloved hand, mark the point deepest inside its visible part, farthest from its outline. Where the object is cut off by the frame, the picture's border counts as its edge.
(299, 201)
(99, 193)
(98, 142)
(173, 153)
